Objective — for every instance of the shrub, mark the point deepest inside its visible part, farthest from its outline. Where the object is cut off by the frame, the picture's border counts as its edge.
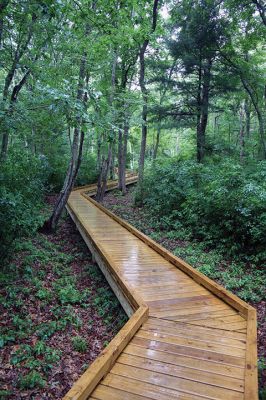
(79, 344)
(22, 182)
(223, 204)
(32, 380)
(58, 166)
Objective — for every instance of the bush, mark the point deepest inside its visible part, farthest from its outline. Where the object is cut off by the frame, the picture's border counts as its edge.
(79, 344)
(32, 380)
(88, 170)
(58, 168)
(223, 204)
(22, 182)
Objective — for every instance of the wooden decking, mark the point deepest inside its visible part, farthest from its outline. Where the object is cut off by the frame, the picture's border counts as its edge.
(187, 338)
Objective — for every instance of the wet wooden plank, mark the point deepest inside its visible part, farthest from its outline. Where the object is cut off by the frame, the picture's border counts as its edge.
(150, 390)
(208, 366)
(188, 351)
(183, 372)
(191, 343)
(185, 385)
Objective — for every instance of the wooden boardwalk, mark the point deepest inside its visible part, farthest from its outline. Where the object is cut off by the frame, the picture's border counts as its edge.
(187, 337)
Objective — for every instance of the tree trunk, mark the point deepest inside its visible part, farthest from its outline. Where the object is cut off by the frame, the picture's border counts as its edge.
(102, 179)
(14, 96)
(119, 157)
(20, 50)
(204, 112)
(199, 100)
(123, 138)
(144, 115)
(157, 141)
(98, 163)
(142, 148)
(242, 134)
(76, 156)
(255, 102)
(112, 165)
(123, 160)
(262, 132)
(247, 118)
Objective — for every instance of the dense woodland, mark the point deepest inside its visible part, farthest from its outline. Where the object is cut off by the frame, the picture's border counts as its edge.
(173, 90)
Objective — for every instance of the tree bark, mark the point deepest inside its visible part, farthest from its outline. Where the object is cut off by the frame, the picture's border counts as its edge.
(157, 141)
(102, 179)
(247, 118)
(242, 134)
(199, 144)
(255, 103)
(20, 51)
(144, 114)
(112, 164)
(15, 92)
(204, 112)
(123, 158)
(124, 128)
(119, 157)
(104, 170)
(76, 156)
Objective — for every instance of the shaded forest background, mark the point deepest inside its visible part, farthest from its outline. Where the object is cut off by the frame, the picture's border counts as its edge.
(174, 90)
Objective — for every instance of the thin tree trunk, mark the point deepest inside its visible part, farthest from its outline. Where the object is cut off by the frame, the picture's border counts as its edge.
(144, 114)
(201, 129)
(119, 156)
(199, 101)
(98, 163)
(14, 96)
(242, 134)
(254, 100)
(255, 103)
(102, 180)
(20, 50)
(122, 141)
(247, 118)
(76, 156)
(112, 165)
(124, 157)
(157, 141)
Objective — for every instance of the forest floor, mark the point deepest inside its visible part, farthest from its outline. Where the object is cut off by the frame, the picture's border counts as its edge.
(236, 276)
(57, 314)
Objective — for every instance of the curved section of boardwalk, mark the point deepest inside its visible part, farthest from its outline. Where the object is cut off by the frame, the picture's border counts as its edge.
(187, 337)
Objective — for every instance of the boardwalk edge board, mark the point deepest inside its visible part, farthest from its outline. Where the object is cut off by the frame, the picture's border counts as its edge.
(137, 310)
(102, 365)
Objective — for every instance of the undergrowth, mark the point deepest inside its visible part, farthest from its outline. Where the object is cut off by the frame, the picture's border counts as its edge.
(43, 298)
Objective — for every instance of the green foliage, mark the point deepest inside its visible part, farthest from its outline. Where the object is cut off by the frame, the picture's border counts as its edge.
(243, 279)
(32, 380)
(22, 181)
(45, 277)
(223, 204)
(58, 166)
(88, 170)
(79, 344)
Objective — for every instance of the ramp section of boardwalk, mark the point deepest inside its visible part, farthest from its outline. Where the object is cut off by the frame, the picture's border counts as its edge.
(187, 337)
